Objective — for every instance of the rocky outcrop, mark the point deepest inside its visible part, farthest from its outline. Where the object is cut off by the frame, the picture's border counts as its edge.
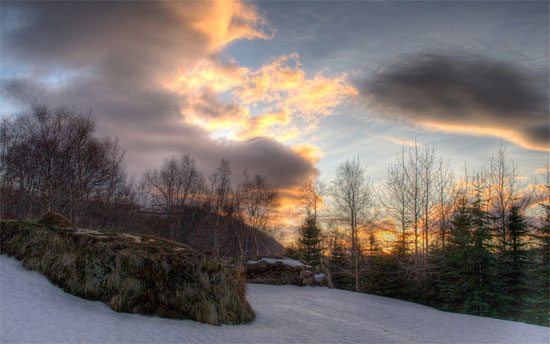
(269, 270)
(131, 273)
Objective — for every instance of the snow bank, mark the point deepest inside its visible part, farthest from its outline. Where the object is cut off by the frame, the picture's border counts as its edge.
(32, 310)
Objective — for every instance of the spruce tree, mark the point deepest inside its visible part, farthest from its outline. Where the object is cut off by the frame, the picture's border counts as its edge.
(515, 265)
(339, 265)
(309, 242)
(541, 274)
(455, 279)
(483, 297)
(470, 282)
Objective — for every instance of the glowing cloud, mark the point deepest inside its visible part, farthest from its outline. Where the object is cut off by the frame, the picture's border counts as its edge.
(308, 152)
(284, 85)
(226, 22)
(270, 101)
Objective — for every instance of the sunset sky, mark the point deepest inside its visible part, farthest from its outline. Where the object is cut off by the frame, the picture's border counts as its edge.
(289, 89)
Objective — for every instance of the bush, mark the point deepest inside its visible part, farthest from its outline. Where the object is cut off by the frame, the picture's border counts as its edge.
(131, 273)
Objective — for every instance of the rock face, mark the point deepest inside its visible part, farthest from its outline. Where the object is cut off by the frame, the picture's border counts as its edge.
(285, 271)
(131, 273)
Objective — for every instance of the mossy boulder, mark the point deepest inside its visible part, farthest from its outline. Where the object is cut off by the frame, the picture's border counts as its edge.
(131, 273)
(279, 270)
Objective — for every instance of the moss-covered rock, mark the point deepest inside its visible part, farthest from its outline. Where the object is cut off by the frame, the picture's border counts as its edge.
(131, 273)
(279, 270)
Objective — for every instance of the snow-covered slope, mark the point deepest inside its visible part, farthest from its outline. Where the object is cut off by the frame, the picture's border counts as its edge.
(32, 310)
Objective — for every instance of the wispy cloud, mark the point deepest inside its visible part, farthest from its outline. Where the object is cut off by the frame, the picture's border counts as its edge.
(399, 141)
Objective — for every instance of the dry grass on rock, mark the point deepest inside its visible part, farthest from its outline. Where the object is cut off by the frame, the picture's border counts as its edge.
(131, 273)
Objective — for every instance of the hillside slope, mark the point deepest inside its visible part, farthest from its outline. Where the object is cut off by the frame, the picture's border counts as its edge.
(33, 310)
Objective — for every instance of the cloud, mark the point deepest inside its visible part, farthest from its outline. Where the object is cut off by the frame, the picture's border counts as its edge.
(120, 59)
(229, 20)
(465, 93)
(284, 84)
(399, 141)
(271, 99)
(270, 124)
(308, 152)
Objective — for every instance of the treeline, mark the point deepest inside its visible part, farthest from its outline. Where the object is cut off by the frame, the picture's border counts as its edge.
(51, 160)
(475, 244)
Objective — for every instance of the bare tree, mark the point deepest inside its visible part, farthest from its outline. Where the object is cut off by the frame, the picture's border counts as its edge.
(177, 184)
(220, 188)
(352, 202)
(52, 161)
(445, 184)
(504, 188)
(311, 197)
(257, 199)
(429, 180)
(394, 197)
(412, 166)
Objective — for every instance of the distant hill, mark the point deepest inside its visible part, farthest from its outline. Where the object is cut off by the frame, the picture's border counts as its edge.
(198, 228)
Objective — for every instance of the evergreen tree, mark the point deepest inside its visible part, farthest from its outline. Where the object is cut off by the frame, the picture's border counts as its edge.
(309, 242)
(515, 265)
(470, 282)
(455, 279)
(339, 264)
(541, 274)
(483, 297)
(292, 252)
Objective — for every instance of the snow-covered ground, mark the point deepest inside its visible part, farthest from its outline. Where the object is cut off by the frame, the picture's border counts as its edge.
(32, 310)
(285, 261)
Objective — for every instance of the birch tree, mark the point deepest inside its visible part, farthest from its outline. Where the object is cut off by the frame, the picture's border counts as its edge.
(352, 200)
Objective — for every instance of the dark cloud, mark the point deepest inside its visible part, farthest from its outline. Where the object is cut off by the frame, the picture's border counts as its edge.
(465, 90)
(124, 37)
(116, 56)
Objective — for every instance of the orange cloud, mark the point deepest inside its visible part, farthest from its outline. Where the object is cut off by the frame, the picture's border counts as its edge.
(280, 93)
(223, 21)
(284, 84)
(207, 74)
(272, 124)
(507, 134)
(308, 152)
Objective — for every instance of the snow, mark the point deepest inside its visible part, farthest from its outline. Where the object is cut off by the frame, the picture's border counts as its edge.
(134, 237)
(89, 232)
(285, 261)
(32, 310)
(319, 277)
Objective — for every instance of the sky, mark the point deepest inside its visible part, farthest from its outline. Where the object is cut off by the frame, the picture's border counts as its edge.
(289, 89)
